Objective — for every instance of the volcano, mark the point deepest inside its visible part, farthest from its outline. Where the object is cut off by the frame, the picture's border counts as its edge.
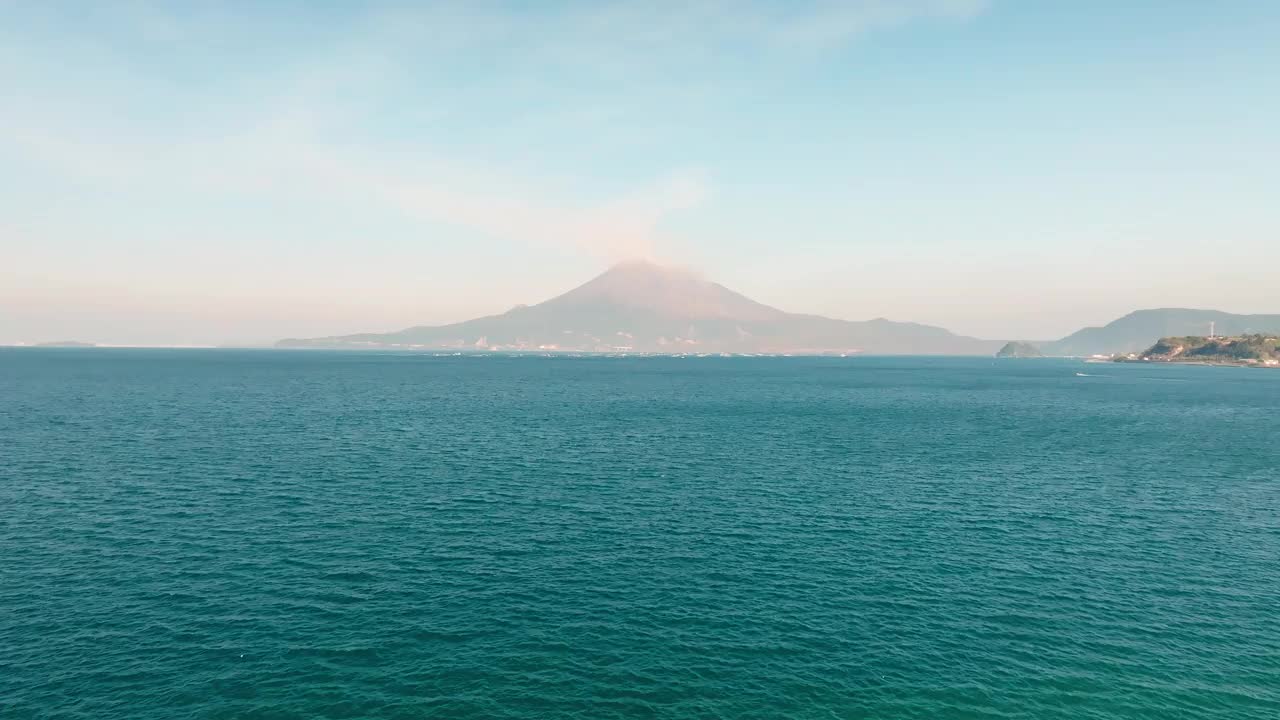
(643, 307)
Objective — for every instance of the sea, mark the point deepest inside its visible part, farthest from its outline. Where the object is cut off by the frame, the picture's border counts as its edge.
(310, 534)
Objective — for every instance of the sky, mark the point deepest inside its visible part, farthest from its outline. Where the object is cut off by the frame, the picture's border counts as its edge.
(237, 172)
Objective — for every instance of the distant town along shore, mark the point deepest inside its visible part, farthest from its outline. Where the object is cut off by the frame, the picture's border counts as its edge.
(1243, 350)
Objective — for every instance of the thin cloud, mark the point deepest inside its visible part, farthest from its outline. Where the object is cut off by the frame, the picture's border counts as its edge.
(621, 227)
(630, 25)
(647, 37)
(279, 156)
(837, 23)
(295, 142)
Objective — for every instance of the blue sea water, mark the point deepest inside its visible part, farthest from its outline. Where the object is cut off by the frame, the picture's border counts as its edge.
(259, 534)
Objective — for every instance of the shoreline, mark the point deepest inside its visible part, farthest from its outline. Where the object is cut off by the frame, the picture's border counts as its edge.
(1197, 362)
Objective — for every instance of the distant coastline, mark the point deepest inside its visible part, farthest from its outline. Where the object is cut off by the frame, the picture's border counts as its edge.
(1258, 350)
(66, 344)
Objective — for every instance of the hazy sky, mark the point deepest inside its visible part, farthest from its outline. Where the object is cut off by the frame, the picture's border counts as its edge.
(214, 172)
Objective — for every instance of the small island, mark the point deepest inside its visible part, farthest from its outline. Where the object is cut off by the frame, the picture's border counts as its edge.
(66, 344)
(1019, 350)
(1244, 350)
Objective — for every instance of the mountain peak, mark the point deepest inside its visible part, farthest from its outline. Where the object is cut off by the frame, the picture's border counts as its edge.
(641, 305)
(641, 266)
(666, 290)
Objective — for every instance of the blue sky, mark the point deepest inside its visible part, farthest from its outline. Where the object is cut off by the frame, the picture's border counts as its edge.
(212, 172)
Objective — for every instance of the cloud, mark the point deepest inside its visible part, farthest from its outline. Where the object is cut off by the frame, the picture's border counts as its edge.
(637, 39)
(835, 23)
(622, 26)
(280, 156)
(315, 133)
(620, 227)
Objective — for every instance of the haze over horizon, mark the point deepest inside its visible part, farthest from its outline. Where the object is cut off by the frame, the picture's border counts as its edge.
(242, 173)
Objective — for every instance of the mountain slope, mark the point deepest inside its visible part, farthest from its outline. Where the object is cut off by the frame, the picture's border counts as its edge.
(1019, 350)
(1260, 350)
(647, 308)
(1137, 331)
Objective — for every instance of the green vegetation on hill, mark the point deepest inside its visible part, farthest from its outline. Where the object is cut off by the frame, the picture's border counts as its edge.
(1019, 350)
(1138, 330)
(1242, 350)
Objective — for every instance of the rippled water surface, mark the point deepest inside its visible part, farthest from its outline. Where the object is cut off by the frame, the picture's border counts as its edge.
(254, 534)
